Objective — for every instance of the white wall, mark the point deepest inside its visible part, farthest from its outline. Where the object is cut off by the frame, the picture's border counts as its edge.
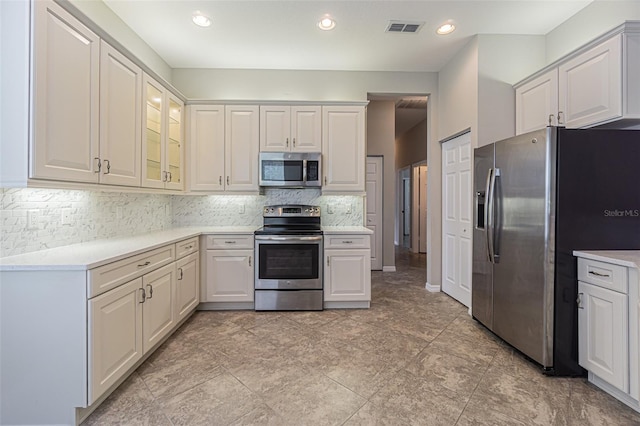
(104, 17)
(411, 147)
(496, 98)
(380, 141)
(458, 93)
(252, 85)
(592, 21)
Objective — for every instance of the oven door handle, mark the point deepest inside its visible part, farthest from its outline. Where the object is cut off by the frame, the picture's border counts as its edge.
(287, 238)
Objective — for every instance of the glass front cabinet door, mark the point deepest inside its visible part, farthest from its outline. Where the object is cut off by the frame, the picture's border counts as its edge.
(162, 142)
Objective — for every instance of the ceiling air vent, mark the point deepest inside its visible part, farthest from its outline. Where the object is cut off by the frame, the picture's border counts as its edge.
(404, 27)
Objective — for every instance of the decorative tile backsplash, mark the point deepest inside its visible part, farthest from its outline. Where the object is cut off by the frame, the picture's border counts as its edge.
(32, 219)
(241, 210)
(37, 219)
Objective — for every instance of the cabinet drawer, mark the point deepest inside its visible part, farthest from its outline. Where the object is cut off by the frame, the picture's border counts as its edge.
(186, 247)
(229, 241)
(346, 241)
(602, 274)
(113, 274)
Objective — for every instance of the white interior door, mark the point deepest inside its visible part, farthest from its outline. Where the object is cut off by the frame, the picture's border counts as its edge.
(423, 209)
(456, 217)
(374, 209)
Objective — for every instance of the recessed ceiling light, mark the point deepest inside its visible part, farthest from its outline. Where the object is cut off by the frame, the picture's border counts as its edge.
(326, 23)
(446, 28)
(201, 20)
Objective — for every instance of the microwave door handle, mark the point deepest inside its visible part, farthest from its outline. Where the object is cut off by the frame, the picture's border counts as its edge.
(304, 171)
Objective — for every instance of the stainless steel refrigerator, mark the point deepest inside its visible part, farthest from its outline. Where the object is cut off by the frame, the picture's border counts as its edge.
(538, 197)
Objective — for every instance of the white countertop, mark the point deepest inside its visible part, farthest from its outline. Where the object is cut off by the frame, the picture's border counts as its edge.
(628, 258)
(346, 230)
(96, 253)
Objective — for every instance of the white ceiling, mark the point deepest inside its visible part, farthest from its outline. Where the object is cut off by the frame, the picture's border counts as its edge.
(283, 34)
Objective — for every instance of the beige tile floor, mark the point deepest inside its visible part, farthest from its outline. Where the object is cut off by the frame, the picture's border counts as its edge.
(414, 358)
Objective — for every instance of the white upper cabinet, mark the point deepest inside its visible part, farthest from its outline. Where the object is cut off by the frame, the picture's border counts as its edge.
(537, 103)
(66, 97)
(162, 141)
(205, 136)
(120, 118)
(343, 148)
(241, 146)
(290, 128)
(591, 85)
(597, 85)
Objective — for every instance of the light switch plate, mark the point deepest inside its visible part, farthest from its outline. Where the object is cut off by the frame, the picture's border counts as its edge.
(65, 218)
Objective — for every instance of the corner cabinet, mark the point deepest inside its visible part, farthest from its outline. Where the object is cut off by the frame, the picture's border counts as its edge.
(343, 148)
(596, 85)
(162, 140)
(285, 128)
(347, 271)
(608, 326)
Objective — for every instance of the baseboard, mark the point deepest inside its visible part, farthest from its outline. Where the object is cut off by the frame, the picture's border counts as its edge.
(432, 288)
(388, 269)
(225, 306)
(347, 305)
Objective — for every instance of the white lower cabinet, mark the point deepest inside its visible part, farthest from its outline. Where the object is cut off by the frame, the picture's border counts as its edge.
(608, 322)
(115, 336)
(603, 323)
(347, 270)
(92, 328)
(158, 312)
(229, 272)
(187, 285)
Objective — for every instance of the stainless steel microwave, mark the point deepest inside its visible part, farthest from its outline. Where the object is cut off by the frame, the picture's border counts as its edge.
(291, 169)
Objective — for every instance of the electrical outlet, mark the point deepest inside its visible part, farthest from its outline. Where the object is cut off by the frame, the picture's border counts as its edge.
(65, 218)
(241, 208)
(32, 219)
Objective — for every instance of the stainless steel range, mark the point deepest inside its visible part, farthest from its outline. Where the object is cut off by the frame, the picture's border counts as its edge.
(288, 252)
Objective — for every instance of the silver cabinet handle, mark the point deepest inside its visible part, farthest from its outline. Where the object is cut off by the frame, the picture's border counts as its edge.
(227, 180)
(328, 261)
(551, 116)
(287, 142)
(189, 247)
(230, 242)
(108, 167)
(597, 274)
(294, 142)
(181, 274)
(99, 165)
(347, 242)
(150, 291)
(249, 260)
(220, 180)
(164, 176)
(560, 118)
(144, 295)
(169, 173)
(325, 180)
(147, 263)
(579, 301)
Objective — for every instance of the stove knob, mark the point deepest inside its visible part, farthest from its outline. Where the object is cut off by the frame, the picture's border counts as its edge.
(306, 210)
(317, 209)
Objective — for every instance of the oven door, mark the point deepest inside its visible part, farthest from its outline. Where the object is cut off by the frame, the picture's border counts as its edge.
(288, 262)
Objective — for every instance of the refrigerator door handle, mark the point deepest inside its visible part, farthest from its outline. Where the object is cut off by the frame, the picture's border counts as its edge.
(494, 212)
(487, 215)
(490, 212)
